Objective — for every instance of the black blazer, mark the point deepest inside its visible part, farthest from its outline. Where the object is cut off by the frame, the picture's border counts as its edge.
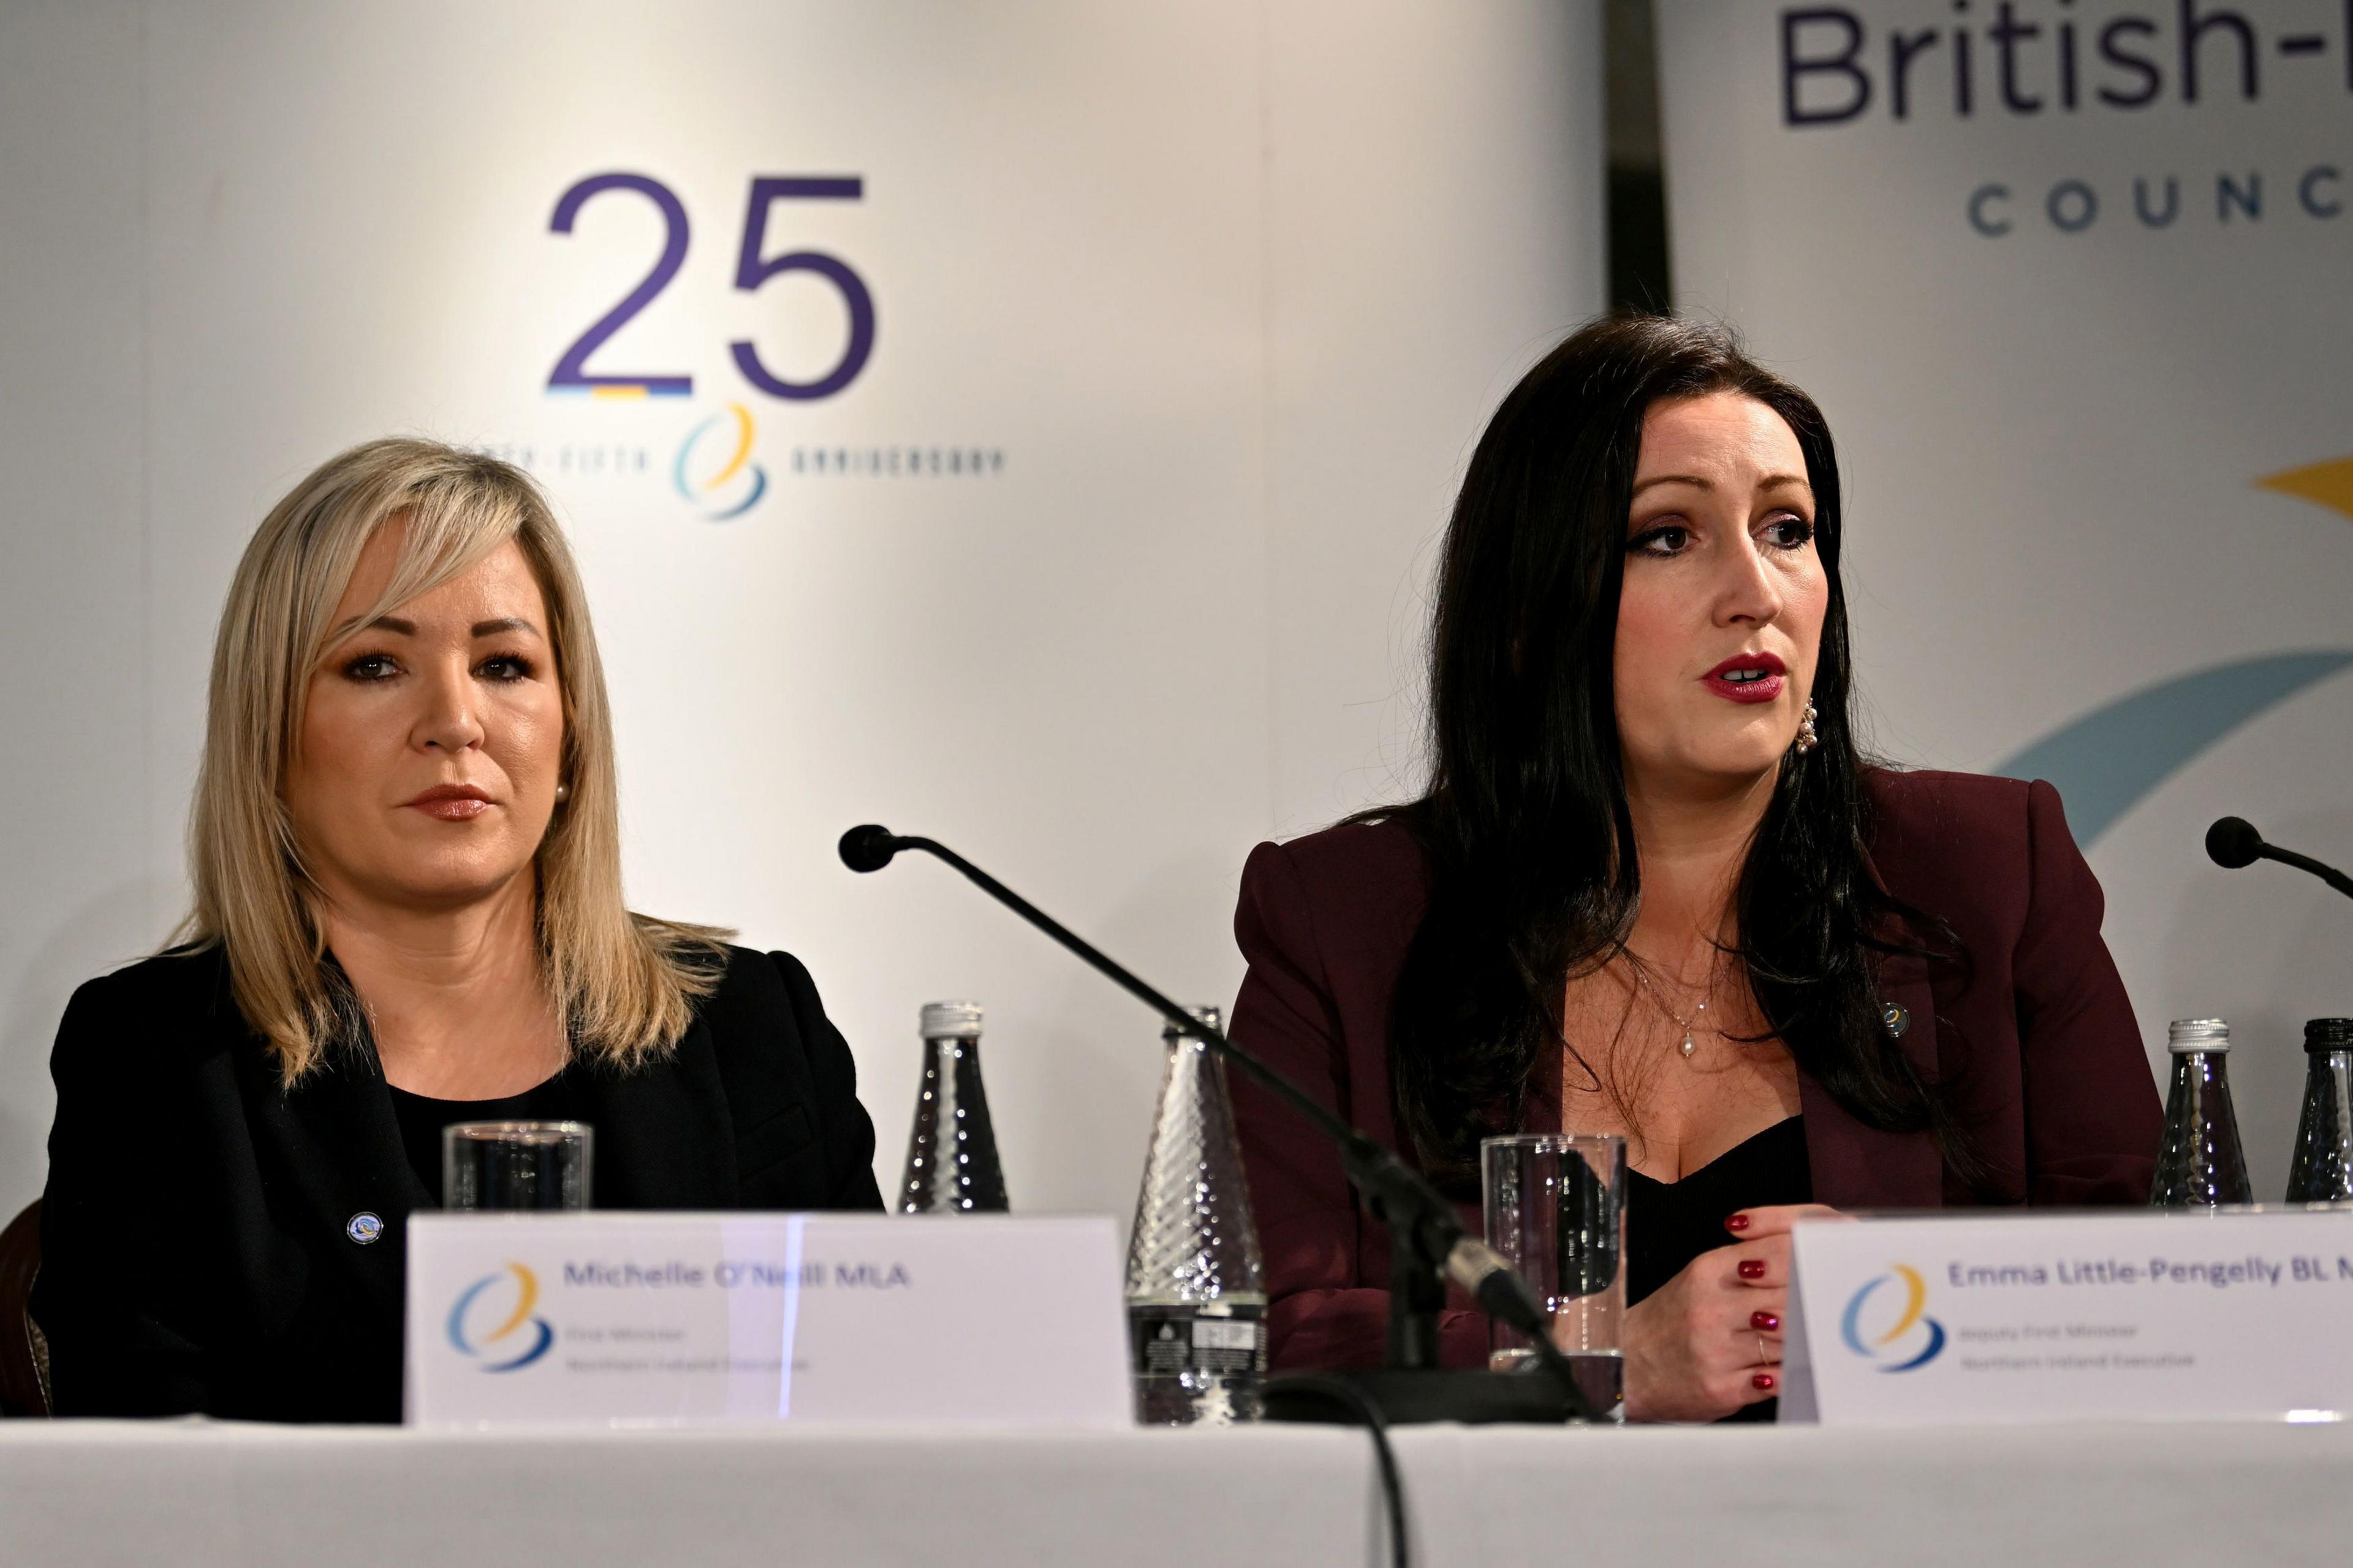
(195, 1249)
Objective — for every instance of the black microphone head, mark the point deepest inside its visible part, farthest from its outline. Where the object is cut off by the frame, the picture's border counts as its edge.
(868, 848)
(2233, 842)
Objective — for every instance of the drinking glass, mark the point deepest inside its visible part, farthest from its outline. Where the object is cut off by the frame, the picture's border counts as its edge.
(1556, 1209)
(516, 1164)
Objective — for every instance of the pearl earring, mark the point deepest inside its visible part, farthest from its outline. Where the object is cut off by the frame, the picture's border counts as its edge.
(1808, 738)
(563, 793)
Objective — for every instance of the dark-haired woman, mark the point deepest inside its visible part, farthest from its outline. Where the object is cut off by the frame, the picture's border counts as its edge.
(1653, 890)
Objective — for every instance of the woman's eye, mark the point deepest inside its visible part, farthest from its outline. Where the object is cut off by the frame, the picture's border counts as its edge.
(506, 667)
(1667, 539)
(1789, 533)
(371, 666)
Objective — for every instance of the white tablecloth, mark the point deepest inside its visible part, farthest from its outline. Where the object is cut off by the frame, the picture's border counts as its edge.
(206, 1495)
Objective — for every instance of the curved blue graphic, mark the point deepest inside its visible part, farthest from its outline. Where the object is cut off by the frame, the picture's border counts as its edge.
(545, 1337)
(1935, 1345)
(2109, 761)
(1850, 1320)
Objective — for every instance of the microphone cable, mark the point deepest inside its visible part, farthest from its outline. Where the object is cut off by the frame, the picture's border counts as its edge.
(1340, 1391)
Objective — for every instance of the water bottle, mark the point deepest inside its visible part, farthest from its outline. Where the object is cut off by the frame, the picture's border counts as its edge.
(2322, 1171)
(951, 1154)
(2200, 1163)
(1196, 1286)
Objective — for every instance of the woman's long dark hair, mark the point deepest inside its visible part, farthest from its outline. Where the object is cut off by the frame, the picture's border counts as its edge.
(1524, 822)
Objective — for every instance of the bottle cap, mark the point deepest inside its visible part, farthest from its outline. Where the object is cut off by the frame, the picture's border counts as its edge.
(2198, 1034)
(2328, 1034)
(951, 1020)
(1213, 1017)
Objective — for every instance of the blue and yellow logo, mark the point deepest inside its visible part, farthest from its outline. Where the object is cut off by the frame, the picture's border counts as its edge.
(483, 1300)
(714, 469)
(1914, 1338)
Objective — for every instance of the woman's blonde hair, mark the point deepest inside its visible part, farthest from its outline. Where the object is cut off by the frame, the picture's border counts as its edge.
(623, 984)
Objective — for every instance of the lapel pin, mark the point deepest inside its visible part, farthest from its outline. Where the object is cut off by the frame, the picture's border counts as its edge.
(1895, 1017)
(363, 1228)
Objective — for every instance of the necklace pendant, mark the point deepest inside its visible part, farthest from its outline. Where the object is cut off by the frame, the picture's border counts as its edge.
(1690, 1045)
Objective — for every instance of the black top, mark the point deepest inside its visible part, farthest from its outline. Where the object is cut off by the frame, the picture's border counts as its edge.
(421, 1120)
(1668, 1224)
(213, 1241)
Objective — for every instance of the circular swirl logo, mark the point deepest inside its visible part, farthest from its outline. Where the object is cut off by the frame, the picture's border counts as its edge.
(502, 1301)
(714, 469)
(1892, 1327)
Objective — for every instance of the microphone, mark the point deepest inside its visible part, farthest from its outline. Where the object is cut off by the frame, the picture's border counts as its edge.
(1423, 1223)
(2233, 842)
(1497, 1285)
(870, 848)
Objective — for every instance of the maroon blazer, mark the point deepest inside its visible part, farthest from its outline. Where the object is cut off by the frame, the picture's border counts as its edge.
(2034, 1035)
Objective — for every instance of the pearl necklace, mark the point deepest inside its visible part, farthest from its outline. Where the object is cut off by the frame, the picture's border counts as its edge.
(1688, 1026)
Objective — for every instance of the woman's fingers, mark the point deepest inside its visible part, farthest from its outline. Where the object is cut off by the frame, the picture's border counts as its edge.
(1737, 1331)
(1775, 1219)
(1745, 1383)
(1761, 1264)
(1710, 1340)
(1693, 1349)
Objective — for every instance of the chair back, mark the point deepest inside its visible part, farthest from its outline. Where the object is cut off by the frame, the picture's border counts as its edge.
(24, 1353)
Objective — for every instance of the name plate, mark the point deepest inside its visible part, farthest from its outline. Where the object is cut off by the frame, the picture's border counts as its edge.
(2081, 1315)
(693, 1319)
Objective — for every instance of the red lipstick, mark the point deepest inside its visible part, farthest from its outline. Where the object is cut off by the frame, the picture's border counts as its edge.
(453, 803)
(1747, 678)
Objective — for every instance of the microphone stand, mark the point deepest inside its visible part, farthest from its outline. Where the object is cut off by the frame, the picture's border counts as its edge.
(1427, 1240)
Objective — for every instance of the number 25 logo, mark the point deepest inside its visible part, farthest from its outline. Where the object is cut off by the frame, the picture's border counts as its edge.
(751, 269)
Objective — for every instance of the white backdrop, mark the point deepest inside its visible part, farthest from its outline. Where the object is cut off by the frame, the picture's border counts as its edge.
(2071, 321)
(1106, 562)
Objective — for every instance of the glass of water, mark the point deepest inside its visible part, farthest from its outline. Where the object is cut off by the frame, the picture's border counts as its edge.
(516, 1164)
(1556, 1209)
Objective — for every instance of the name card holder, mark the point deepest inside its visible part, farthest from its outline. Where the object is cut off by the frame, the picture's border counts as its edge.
(2080, 1316)
(702, 1319)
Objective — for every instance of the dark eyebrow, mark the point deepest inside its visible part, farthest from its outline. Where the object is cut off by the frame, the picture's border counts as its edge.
(1769, 482)
(392, 624)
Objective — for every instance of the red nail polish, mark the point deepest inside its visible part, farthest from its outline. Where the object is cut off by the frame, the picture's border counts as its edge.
(1764, 1323)
(1753, 1268)
(1763, 1382)
(1737, 1222)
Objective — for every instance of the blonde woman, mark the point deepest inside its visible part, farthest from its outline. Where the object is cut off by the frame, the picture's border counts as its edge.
(407, 855)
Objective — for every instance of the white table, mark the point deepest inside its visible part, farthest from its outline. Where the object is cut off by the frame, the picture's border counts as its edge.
(205, 1495)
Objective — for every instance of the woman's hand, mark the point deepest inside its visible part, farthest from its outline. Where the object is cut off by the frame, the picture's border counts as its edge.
(1709, 1341)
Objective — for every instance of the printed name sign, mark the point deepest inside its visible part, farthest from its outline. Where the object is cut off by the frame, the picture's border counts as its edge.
(2066, 1317)
(709, 1318)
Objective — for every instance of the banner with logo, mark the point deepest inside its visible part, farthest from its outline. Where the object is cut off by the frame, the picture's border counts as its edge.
(2066, 275)
(1023, 424)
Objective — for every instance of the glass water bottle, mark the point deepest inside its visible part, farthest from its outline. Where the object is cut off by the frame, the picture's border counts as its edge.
(951, 1154)
(1196, 1286)
(2322, 1171)
(2200, 1163)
